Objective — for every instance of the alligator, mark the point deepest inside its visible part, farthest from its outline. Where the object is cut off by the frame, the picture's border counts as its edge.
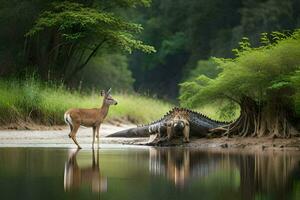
(176, 122)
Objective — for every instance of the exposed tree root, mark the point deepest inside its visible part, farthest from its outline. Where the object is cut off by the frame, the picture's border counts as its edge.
(271, 120)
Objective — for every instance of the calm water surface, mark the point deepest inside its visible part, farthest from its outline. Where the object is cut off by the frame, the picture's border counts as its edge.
(148, 173)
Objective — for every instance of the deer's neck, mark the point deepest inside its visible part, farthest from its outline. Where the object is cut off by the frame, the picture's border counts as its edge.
(104, 110)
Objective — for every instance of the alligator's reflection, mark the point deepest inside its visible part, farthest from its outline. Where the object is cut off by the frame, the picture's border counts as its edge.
(257, 173)
(179, 165)
(76, 176)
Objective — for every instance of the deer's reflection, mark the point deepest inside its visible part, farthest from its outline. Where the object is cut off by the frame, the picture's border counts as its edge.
(75, 176)
(257, 173)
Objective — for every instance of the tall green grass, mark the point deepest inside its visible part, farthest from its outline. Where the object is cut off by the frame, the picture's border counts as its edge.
(43, 103)
(32, 100)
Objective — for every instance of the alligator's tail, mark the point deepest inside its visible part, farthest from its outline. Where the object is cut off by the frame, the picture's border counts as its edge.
(141, 131)
(132, 132)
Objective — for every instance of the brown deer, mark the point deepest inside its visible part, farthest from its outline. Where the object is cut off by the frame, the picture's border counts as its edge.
(75, 117)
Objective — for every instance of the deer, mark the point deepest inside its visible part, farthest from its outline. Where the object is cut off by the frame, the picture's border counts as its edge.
(94, 117)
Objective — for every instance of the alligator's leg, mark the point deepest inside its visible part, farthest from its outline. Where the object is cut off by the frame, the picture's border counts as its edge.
(152, 138)
(169, 131)
(186, 133)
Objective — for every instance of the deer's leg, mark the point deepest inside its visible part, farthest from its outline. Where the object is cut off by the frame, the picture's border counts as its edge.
(94, 134)
(97, 130)
(73, 134)
(97, 162)
(71, 128)
(74, 129)
(75, 141)
(94, 160)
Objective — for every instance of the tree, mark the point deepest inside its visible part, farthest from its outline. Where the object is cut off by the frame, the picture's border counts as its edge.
(208, 68)
(200, 29)
(67, 35)
(182, 32)
(259, 16)
(105, 71)
(263, 81)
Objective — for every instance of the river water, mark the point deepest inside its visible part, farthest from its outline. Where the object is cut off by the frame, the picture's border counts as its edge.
(147, 173)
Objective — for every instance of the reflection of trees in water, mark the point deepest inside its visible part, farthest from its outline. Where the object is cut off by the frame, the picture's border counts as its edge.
(267, 173)
(259, 174)
(75, 176)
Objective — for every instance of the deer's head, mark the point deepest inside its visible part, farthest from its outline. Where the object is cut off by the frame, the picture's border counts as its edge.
(108, 100)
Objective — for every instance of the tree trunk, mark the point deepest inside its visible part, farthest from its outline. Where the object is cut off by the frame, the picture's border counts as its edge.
(268, 119)
(81, 66)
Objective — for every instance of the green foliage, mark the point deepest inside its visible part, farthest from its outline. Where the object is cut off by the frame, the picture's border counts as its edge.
(295, 81)
(171, 45)
(259, 16)
(127, 3)
(222, 110)
(261, 73)
(62, 36)
(244, 45)
(108, 70)
(199, 29)
(76, 22)
(183, 32)
(31, 96)
(189, 88)
(199, 78)
(208, 68)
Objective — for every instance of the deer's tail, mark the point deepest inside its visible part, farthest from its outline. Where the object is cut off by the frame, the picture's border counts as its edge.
(68, 119)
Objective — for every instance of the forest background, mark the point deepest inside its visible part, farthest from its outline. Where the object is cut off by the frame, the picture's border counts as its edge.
(165, 49)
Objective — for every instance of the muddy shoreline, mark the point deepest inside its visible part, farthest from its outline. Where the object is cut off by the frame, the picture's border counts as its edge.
(57, 136)
(251, 144)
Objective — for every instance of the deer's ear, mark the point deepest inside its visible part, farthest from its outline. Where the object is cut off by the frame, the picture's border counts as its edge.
(108, 91)
(102, 93)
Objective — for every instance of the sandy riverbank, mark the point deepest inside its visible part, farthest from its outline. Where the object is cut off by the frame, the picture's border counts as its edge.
(58, 137)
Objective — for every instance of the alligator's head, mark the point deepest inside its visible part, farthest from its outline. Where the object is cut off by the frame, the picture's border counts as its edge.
(179, 121)
(178, 125)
